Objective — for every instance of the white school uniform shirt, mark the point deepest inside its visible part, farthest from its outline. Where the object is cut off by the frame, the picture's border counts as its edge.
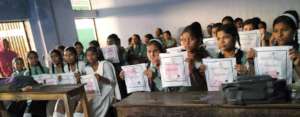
(80, 67)
(101, 103)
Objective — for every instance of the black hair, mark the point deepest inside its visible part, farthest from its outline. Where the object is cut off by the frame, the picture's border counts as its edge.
(95, 43)
(228, 18)
(251, 22)
(78, 43)
(159, 45)
(231, 29)
(195, 31)
(288, 21)
(238, 19)
(39, 64)
(114, 38)
(73, 51)
(264, 24)
(256, 20)
(217, 25)
(295, 14)
(93, 50)
(60, 58)
(61, 47)
(168, 32)
(138, 37)
(160, 30)
(149, 36)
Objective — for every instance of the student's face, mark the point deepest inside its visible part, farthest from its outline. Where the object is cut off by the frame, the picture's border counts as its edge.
(166, 36)
(262, 28)
(134, 40)
(79, 49)
(55, 58)
(190, 43)
(153, 53)
(146, 40)
(91, 57)
(69, 57)
(283, 34)
(157, 33)
(248, 27)
(110, 42)
(214, 32)
(19, 65)
(33, 59)
(225, 41)
(238, 24)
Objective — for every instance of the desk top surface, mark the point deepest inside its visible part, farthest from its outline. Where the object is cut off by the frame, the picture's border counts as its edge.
(188, 99)
(48, 89)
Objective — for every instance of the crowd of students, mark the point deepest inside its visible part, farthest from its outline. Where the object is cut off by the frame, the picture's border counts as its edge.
(75, 59)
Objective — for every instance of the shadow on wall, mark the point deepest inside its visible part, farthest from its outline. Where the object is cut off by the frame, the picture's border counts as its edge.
(134, 10)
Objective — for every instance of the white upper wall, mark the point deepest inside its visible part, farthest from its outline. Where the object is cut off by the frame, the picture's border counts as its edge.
(125, 17)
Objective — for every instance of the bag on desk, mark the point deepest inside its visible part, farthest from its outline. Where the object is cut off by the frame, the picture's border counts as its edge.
(256, 90)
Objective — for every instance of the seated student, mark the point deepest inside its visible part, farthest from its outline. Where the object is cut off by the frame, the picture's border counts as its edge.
(238, 23)
(106, 76)
(215, 27)
(264, 34)
(227, 37)
(256, 21)
(147, 38)
(95, 44)
(72, 62)
(193, 37)
(61, 49)
(34, 65)
(35, 108)
(57, 62)
(285, 34)
(79, 49)
(159, 33)
(227, 20)
(18, 67)
(249, 25)
(168, 40)
(137, 49)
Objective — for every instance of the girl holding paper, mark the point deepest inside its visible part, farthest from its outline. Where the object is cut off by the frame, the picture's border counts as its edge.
(72, 62)
(105, 74)
(227, 37)
(285, 34)
(193, 36)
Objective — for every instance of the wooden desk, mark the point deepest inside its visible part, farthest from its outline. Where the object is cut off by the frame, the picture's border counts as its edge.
(196, 104)
(54, 92)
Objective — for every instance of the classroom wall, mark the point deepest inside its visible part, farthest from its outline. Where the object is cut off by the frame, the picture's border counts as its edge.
(13, 9)
(126, 17)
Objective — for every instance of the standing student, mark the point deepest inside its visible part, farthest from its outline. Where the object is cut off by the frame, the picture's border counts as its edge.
(227, 37)
(18, 67)
(72, 62)
(227, 20)
(264, 34)
(168, 40)
(137, 50)
(249, 25)
(238, 23)
(79, 49)
(193, 37)
(6, 57)
(147, 38)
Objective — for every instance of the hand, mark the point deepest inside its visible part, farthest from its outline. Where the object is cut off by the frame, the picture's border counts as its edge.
(294, 56)
(149, 74)
(272, 40)
(27, 88)
(98, 77)
(122, 75)
(59, 78)
(241, 69)
(77, 76)
(251, 54)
